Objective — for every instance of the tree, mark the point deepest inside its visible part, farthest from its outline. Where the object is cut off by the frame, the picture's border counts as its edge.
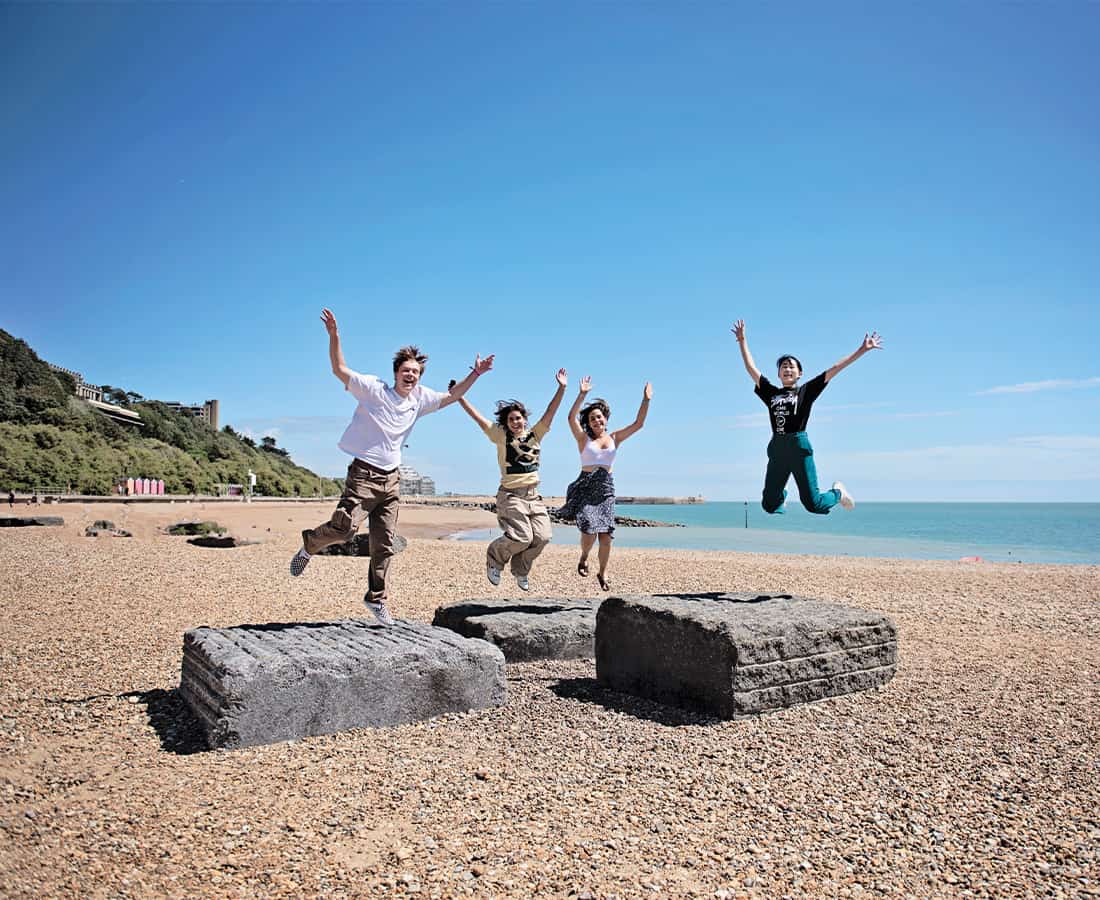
(269, 447)
(114, 395)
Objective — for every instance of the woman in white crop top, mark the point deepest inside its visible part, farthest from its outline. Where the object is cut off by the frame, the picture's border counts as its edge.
(590, 500)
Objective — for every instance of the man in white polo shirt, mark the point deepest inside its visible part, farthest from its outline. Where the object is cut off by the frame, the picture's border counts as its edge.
(378, 429)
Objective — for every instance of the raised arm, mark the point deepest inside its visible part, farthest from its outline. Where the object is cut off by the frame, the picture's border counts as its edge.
(746, 357)
(871, 341)
(335, 354)
(479, 368)
(555, 402)
(639, 420)
(574, 410)
(471, 411)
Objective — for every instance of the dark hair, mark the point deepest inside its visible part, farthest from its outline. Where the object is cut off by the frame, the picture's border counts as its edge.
(504, 407)
(410, 352)
(600, 404)
(793, 359)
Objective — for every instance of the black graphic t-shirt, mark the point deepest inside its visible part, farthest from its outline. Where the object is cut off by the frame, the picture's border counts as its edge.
(789, 408)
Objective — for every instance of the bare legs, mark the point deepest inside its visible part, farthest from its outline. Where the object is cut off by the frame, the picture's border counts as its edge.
(587, 540)
(603, 554)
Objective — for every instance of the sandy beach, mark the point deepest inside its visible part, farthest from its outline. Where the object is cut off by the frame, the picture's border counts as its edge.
(974, 772)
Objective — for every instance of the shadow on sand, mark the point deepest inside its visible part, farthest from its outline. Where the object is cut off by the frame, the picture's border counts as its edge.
(176, 726)
(589, 690)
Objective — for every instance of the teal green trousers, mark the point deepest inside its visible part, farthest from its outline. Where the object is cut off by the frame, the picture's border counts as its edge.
(791, 454)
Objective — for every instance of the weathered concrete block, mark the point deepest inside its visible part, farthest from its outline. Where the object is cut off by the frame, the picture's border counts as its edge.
(734, 655)
(527, 629)
(257, 684)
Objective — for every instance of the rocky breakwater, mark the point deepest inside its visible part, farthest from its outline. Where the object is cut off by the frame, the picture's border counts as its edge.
(624, 521)
(555, 517)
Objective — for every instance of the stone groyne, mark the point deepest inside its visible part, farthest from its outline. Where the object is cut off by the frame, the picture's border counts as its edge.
(552, 505)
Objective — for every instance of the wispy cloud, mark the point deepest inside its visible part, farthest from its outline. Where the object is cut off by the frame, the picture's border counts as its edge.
(832, 407)
(924, 415)
(1053, 384)
(750, 420)
(1032, 458)
(291, 425)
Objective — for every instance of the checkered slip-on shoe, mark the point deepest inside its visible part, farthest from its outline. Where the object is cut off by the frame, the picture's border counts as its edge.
(299, 562)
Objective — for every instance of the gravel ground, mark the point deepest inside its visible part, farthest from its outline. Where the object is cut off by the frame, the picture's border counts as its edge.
(975, 772)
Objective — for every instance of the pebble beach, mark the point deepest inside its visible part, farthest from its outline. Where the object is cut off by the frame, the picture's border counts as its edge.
(974, 772)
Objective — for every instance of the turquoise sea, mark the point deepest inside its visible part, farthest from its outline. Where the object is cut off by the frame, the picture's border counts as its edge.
(998, 532)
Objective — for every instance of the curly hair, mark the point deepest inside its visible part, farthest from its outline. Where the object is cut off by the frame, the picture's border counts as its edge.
(600, 404)
(411, 352)
(504, 407)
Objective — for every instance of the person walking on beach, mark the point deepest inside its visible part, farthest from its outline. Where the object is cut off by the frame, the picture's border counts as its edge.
(523, 519)
(378, 429)
(789, 451)
(590, 499)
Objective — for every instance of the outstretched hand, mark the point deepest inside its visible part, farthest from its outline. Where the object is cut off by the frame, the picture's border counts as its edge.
(563, 378)
(647, 391)
(872, 341)
(586, 384)
(330, 321)
(739, 329)
(481, 366)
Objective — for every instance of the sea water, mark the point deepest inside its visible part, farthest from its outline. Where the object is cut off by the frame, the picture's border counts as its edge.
(998, 532)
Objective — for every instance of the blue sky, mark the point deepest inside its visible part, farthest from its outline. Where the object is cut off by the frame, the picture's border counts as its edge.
(599, 186)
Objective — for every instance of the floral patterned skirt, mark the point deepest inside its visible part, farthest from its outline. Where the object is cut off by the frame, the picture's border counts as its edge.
(590, 500)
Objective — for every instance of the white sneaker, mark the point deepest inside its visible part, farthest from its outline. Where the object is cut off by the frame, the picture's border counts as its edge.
(521, 580)
(381, 612)
(845, 498)
(299, 562)
(492, 574)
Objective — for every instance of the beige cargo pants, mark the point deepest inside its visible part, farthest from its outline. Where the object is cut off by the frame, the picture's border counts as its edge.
(370, 493)
(526, 525)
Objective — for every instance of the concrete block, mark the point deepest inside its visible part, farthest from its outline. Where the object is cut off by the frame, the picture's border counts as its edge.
(734, 655)
(528, 628)
(258, 684)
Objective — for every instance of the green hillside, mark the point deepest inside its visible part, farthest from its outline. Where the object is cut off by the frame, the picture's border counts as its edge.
(50, 437)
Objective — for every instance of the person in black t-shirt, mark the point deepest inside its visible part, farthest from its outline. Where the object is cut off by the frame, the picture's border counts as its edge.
(789, 451)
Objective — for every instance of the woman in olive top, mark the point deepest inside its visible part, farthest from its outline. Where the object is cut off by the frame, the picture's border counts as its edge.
(522, 516)
(789, 451)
